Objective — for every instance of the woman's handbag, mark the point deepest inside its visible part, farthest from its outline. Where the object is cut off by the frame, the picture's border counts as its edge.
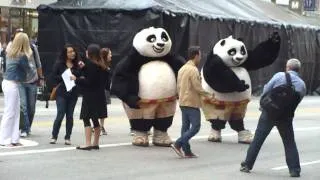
(53, 93)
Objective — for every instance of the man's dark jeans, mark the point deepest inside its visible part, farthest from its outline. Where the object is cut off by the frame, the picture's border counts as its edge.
(28, 98)
(190, 116)
(65, 106)
(287, 135)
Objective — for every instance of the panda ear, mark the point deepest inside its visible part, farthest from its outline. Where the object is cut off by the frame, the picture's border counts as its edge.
(223, 42)
(240, 39)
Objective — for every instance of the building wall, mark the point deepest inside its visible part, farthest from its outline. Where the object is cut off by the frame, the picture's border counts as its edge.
(19, 14)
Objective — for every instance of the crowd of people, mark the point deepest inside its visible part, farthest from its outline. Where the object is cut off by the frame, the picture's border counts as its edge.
(23, 75)
(92, 80)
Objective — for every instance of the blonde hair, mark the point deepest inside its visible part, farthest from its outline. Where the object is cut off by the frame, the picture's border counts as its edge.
(20, 46)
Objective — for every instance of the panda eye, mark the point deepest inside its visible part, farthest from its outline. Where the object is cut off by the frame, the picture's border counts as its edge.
(164, 37)
(151, 38)
(243, 50)
(232, 52)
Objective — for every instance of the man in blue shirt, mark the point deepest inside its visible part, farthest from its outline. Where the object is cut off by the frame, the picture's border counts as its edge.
(284, 126)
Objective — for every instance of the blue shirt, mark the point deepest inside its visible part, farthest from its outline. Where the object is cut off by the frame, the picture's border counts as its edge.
(280, 79)
(16, 69)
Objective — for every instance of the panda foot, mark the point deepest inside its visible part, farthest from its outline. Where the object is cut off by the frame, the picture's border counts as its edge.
(161, 138)
(245, 137)
(215, 136)
(140, 139)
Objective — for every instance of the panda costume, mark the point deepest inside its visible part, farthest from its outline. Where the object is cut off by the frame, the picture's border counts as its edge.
(225, 74)
(146, 83)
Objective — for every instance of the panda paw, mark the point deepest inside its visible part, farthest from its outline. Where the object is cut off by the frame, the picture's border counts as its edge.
(132, 102)
(242, 86)
(275, 37)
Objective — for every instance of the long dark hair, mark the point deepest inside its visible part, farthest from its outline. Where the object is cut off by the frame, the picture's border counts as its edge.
(104, 52)
(94, 55)
(63, 55)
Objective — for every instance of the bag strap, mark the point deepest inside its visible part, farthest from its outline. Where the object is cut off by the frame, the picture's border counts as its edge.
(288, 78)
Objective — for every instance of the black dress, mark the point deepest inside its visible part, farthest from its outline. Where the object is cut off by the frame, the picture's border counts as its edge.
(92, 86)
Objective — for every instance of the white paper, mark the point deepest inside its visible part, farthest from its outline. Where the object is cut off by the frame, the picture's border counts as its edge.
(67, 80)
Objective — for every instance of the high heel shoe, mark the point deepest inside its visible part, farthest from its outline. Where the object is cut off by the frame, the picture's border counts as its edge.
(95, 147)
(87, 148)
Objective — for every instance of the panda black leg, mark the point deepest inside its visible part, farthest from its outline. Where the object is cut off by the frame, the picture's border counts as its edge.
(216, 126)
(237, 125)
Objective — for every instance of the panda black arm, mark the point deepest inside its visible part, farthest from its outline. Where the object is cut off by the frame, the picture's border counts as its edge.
(175, 62)
(125, 83)
(264, 54)
(220, 77)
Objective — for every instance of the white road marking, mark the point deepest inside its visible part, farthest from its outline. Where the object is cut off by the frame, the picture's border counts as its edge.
(12, 153)
(301, 164)
(24, 142)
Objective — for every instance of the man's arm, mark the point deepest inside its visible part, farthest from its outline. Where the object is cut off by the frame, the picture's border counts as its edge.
(37, 61)
(196, 82)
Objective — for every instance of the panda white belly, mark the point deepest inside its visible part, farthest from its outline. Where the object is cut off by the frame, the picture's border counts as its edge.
(243, 74)
(156, 81)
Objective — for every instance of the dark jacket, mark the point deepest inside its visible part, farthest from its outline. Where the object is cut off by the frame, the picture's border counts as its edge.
(92, 85)
(57, 71)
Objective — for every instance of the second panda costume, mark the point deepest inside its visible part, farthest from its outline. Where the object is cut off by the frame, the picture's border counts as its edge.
(225, 74)
(146, 83)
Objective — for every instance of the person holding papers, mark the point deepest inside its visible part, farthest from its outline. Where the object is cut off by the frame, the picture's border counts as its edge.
(66, 93)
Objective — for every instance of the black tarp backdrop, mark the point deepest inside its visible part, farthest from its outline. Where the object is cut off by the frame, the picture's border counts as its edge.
(113, 23)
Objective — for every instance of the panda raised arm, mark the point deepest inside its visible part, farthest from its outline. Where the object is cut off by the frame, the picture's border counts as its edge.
(264, 54)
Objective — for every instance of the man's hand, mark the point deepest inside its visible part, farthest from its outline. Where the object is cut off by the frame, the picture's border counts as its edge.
(73, 77)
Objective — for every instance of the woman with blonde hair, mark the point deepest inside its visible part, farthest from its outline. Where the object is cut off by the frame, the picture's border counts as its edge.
(17, 65)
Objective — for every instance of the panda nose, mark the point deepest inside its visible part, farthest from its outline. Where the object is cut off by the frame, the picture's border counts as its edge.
(239, 59)
(160, 44)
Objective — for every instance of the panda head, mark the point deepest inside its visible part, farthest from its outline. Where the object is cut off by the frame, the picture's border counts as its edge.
(152, 42)
(232, 51)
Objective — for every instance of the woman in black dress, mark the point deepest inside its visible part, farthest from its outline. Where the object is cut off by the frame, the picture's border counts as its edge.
(94, 101)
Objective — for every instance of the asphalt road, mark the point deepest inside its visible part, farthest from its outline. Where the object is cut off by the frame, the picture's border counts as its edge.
(118, 159)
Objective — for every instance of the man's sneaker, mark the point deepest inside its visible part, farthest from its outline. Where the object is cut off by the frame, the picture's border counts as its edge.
(23, 134)
(190, 155)
(244, 168)
(294, 174)
(177, 149)
(66, 142)
(53, 141)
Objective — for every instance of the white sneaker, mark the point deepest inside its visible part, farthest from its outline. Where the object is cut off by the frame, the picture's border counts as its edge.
(23, 134)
